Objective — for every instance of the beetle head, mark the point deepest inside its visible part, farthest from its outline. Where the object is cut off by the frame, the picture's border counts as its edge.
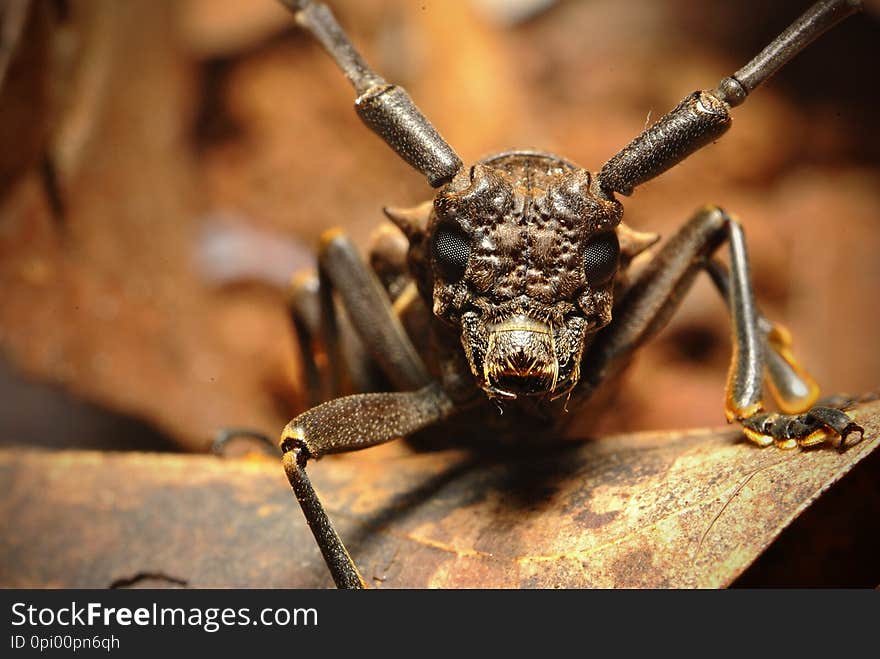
(520, 255)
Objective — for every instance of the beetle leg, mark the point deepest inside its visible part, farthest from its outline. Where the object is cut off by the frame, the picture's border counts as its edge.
(791, 386)
(801, 423)
(369, 310)
(366, 322)
(305, 314)
(315, 313)
(343, 329)
(647, 305)
(361, 420)
(349, 424)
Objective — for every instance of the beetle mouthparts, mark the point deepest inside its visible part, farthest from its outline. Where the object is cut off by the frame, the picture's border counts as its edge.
(521, 358)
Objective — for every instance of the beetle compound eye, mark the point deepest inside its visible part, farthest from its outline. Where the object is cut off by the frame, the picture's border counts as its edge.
(600, 258)
(452, 246)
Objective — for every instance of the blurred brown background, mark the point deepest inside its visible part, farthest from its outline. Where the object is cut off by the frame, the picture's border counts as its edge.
(165, 166)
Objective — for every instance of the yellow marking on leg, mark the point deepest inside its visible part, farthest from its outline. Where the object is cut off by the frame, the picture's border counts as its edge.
(786, 444)
(328, 236)
(816, 437)
(302, 281)
(780, 336)
(408, 296)
(795, 406)
(758, 438)
(292, 432)
(780, 341)
(735, 413)
(732, 409)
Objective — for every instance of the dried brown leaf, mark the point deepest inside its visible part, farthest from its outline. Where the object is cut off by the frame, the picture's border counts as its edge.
(684, 509)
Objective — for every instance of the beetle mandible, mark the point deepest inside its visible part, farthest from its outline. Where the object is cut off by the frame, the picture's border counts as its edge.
(519, 268)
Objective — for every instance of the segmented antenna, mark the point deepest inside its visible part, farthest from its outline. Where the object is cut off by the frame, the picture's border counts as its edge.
(385, 108)
(703, 116)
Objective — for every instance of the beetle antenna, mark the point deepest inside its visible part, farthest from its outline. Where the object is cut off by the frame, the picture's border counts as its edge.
(817, 20)
(386, 109)
(703, 116)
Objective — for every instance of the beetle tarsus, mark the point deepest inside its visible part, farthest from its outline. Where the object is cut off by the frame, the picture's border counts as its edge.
(815, 426)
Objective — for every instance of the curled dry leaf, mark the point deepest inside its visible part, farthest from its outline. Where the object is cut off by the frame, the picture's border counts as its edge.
(681, 509)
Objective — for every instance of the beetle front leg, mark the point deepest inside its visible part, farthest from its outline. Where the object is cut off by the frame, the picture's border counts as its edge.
(349, 424)
(793, 389)
(800, 423)
(648, 304)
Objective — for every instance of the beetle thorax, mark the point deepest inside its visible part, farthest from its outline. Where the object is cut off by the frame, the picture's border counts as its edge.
(524, 253)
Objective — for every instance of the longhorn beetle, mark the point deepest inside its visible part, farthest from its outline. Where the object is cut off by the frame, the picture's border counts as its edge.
(519, 269)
